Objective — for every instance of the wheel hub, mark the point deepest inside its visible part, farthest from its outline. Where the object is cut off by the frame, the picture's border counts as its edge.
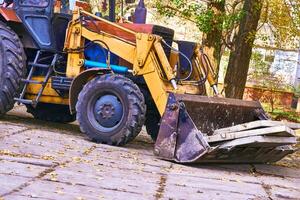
(108, 111)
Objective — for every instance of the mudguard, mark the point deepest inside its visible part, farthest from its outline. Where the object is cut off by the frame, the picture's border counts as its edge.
(9, 15)
(79, 82)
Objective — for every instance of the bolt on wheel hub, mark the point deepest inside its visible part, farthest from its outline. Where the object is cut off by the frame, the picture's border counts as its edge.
(108, 111)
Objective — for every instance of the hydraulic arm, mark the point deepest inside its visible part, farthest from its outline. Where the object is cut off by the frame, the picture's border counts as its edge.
(146, 55)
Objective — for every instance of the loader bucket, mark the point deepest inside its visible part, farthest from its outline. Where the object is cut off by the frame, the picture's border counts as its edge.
(200, 129)
(212, 113)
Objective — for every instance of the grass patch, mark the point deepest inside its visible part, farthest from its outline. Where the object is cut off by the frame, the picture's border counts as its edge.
(283, 114)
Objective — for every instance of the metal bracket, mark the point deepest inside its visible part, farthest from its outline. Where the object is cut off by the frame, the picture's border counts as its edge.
(165, 145)
(144, 44)
(179, 139)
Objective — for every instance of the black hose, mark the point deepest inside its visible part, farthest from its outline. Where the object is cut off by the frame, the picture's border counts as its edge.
(185, 57)
(205, 67)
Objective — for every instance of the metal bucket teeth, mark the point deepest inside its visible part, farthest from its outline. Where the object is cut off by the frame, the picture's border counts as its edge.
(218, 130)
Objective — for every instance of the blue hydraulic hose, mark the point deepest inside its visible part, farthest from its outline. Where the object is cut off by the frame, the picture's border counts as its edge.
(115, 68)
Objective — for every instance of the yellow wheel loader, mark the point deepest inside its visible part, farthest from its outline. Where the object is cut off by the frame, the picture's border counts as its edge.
(116, 77)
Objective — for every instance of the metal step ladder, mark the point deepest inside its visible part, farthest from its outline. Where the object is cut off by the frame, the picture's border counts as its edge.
(34, 65)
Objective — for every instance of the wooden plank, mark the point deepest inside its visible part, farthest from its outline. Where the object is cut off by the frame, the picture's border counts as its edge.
(257, 124)
(275, 131)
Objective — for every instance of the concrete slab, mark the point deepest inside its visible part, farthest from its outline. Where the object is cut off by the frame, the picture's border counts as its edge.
(46, 145)
(62, 191)
(7, 129)
(10, 182)
(20, 169)
(50, 163)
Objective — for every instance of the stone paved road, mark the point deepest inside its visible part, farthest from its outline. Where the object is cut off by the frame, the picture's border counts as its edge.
(41, 160)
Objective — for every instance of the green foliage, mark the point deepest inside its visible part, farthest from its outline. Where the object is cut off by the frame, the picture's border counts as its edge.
(296, 91)
(201, 14)
(230, 20)
(283, 114)
(259, 69)
(282, 17)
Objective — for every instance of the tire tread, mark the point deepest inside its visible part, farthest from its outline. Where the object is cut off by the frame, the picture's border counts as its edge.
(14, 68)
(137, 106)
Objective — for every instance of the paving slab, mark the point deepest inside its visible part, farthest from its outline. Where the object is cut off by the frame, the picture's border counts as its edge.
(8, 129)
(49, 190)
(11, 182)
(54, 161)
(20, 169)
(45, 144)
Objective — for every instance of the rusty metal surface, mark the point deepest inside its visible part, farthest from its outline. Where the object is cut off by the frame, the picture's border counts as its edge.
(165, 145)
(179, 139)
(246, 154)
(9, 14)
(212, 113)
(191, 144)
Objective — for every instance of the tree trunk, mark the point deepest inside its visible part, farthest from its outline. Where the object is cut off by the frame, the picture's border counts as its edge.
(213, 40)
(237, 71)
(298, 106)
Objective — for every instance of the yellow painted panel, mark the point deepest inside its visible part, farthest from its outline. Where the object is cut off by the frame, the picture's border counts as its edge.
(49, 99)
(49, 95)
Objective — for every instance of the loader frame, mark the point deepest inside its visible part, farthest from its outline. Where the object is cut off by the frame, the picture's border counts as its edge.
(145, 54)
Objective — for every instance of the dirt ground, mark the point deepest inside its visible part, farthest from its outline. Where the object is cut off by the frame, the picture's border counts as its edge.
(50, 161)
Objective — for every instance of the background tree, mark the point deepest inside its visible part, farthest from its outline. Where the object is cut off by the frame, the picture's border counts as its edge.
(297, 95)
(238, 24)
(239, 60)
(216, 19)
(282, 18)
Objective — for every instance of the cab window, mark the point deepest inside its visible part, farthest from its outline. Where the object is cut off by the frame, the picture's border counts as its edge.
(35, 3)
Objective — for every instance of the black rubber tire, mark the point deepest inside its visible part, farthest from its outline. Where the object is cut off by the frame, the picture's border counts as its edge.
(51, 112)
(153, 117)
(134, 109)
(152, 123)
(12, 67)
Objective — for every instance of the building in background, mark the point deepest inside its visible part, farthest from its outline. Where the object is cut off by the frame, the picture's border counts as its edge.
(297, 79)
(72, 4)
(284, 76)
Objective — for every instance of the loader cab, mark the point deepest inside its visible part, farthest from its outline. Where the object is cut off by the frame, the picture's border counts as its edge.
(45, 27)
